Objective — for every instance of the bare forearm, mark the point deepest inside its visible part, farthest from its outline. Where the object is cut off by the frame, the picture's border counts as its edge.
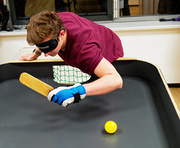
(109, 80)
(104, 85)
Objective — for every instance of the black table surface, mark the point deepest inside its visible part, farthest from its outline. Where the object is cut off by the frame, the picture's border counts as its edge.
(28, 119)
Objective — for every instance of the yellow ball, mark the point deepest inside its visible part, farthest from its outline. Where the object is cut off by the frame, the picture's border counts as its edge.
(110, 127)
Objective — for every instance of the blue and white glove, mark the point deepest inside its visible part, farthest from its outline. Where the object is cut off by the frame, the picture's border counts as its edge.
(67, 95)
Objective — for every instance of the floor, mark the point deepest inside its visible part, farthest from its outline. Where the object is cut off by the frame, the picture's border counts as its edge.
(176, 94)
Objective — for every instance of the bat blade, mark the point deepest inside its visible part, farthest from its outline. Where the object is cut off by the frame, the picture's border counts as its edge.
(35, 84)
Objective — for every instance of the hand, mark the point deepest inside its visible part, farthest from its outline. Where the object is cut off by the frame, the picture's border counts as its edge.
(67, 95)
(29, 57)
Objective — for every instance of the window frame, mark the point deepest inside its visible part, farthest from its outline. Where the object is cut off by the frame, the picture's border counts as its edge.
(91, 16)
(112, 15)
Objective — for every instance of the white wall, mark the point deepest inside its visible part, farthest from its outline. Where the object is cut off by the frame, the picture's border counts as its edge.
(154, 42)
(160, 47)
(13, 45)
(10, 47)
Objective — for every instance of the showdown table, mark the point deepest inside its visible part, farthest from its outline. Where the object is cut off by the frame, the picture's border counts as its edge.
(144, 110)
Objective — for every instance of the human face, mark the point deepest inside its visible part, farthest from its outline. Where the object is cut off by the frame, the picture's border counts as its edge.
(57, 46)
(48, 46)
(53, 52)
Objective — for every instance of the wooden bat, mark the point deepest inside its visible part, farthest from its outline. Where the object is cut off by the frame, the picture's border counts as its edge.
(35, 84)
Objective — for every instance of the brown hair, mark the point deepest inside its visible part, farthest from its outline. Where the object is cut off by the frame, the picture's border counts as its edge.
(42, 25)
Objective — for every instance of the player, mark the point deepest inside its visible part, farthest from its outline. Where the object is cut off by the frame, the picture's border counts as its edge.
(80, 43)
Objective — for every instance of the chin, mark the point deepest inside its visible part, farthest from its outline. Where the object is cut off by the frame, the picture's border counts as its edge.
(52, 55)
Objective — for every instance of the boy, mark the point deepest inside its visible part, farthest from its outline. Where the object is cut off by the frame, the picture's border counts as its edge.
(80, 43)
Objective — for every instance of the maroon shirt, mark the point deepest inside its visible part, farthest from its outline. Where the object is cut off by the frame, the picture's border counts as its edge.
(88, 43)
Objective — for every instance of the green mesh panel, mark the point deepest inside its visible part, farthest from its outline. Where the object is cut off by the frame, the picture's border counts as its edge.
(69, 75)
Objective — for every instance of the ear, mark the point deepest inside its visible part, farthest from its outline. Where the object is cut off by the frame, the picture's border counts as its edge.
(61, 33)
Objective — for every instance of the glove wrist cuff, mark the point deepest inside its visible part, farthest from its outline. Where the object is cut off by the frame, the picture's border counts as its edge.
(77, 98)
